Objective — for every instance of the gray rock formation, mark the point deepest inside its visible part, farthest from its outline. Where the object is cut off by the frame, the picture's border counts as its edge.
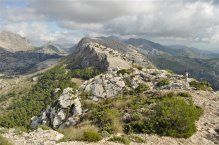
(98, 54)
(112, 83)
(63, 113)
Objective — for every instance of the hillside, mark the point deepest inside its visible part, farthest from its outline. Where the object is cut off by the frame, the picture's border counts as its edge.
(21, 62)
(13, 42)
(51, 49)
(122, 99)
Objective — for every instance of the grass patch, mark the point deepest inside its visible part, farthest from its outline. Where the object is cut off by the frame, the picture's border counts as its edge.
(84, 133)
(120, 139)
(4, 141)
(205, 86)
(163, 82)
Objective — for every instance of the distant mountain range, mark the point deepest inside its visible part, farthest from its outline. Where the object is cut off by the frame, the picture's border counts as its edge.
(18, 56)
(13, 42)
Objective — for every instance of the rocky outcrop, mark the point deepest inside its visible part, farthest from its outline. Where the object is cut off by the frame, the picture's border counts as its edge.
(113, 83)
(61, 114)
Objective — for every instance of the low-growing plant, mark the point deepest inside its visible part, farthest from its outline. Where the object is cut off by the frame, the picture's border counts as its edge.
(163, 82)
(137, 139)
(138, 66)
(141, 88)
(120, 139)
(83, 133)
(85, 73)
(91, 136)
(124, 71)
(184, 94)
(107, 119)
(205, 86)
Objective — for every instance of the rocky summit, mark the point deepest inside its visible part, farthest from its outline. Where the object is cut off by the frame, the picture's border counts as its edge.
(99, 54)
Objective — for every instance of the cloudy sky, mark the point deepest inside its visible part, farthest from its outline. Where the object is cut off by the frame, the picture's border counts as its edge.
(188, 22)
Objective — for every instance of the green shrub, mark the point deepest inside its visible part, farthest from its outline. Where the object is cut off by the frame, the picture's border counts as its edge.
(163, 82)
(184, 94)
(128, 81)
(120, 139)
(205, 86)
(85, 73)
(107, 119)
(174, 117)
(141, 88)
(171, 116)
(4, 141)
(137, 139)
(124, 71)
(91, 136)
(138, 67)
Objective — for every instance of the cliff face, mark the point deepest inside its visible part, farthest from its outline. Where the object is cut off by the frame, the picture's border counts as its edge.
(105, 55)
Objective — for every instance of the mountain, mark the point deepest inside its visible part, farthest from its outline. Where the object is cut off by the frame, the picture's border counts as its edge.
(50, 48)
(151, 48)
(13, 42)
(105, 54)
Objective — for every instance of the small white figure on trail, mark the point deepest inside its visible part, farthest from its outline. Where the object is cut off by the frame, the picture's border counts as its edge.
(187, 79)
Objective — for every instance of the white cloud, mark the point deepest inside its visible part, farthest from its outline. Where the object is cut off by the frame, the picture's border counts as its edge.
(191, 20)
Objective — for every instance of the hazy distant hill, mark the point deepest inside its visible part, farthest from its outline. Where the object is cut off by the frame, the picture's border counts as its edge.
(13, 42)
(50, 48)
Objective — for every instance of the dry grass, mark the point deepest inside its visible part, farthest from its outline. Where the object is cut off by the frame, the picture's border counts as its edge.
(77, 134)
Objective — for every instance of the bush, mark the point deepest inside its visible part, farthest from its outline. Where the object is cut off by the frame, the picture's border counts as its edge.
(184, 94)
(205, 86)
(138, 67)
(91, 136)
(124, 71)
(163, 82)
(85, 73)
(174, 117)
(141, 88)
(107, 119)
(4, 141)
(120, 139)
(171, 116)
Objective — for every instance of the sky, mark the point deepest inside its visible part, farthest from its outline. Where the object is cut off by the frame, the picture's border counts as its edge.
(186, 22)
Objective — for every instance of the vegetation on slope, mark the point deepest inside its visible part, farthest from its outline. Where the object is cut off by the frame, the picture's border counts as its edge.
(169, 115)
(41, 95)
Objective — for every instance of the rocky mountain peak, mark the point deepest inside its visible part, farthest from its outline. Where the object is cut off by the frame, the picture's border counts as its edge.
(105, 55)
(13, 42)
